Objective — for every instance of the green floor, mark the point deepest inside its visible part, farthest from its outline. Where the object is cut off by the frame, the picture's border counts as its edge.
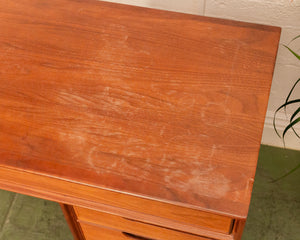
(27, 218)
(274, 212)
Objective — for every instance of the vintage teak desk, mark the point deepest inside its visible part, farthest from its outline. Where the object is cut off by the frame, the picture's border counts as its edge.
(143, 124)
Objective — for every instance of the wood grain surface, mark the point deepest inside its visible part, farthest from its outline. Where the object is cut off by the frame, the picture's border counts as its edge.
(161, 105)
(93, 232)
(131, 226)
(124, 205)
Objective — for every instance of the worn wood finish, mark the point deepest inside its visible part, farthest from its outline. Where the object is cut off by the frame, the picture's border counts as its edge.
(145, 114)
(162, 105)
(93, 232)
(129, 225)
(144, 210)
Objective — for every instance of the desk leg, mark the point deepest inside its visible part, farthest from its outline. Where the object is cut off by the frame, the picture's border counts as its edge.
(71, 218)
(238, 229)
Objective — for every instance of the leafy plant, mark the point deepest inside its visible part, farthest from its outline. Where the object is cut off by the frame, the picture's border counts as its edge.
(294, 118)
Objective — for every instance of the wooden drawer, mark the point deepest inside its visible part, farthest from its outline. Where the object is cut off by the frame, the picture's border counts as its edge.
(87, 216)
(93, 232)
(214, 222)
(96, 233)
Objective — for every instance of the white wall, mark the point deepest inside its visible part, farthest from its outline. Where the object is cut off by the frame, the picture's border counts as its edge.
(282, 13)
(185, 6)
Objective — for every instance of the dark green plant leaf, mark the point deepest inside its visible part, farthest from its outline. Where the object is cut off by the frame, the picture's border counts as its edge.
(292, 118)
(296, 55)
(294, 38)
(294, 114)
(288, 173)
(289, 126)
(274, 126)
(278, 109)
(292, 121)
(287, 99)
(291, 91)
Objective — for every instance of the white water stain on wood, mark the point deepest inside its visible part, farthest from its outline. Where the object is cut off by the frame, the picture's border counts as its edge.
(200, 182)
(201, 178)
(215, 114)
(121, 51)
(90, 158)
(208, 184)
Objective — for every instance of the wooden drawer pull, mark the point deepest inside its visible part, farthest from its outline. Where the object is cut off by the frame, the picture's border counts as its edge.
(132, 236)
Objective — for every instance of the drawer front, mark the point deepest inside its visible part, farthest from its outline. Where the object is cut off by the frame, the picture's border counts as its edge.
(93, 232)
(96, 233)
(87, 216)
(215, 223)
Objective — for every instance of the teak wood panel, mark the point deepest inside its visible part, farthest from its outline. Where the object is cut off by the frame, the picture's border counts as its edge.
(157, 213)
(92, 232)
(238, 229)
(161, 105)
(72, 221)
(129, 225)
(96, 233)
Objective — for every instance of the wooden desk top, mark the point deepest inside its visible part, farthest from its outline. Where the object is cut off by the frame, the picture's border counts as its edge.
(161, 105)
